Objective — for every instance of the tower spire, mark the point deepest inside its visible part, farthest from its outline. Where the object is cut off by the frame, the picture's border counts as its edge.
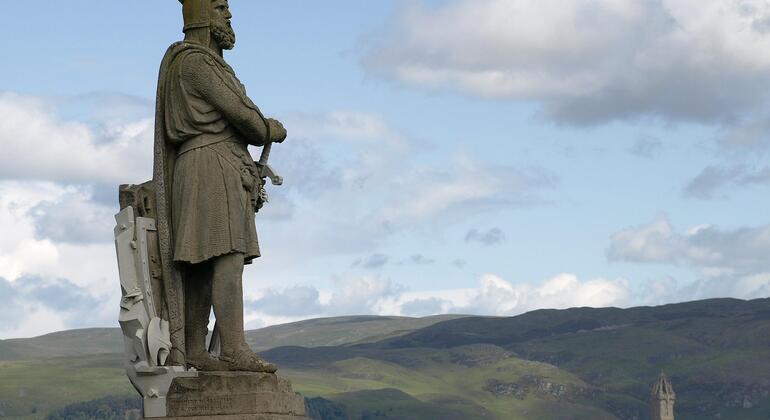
(663, 398)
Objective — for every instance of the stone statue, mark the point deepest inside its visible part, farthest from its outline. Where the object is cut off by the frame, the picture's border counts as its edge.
(183, 238)
(208, 188)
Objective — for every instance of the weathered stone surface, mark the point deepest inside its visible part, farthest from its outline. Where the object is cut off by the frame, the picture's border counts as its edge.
(234, 395)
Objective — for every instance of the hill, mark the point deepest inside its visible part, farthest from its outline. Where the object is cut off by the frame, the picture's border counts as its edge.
(309, 333)
(717, 351)
(581, 363)
(339, 330)
(63, 344)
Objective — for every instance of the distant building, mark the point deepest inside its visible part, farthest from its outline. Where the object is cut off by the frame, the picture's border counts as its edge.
(663, 398)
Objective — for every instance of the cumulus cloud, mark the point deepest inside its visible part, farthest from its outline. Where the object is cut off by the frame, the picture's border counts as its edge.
(713, 181)
(361, 295)
(491, 237)
(586, 61)
(56, 276)
(425, 307)
(350, 296)
(706, 247)
(38, 146)
(34, 305)
(727, 262)
(493, 296)
(74, 218)
(21, 251)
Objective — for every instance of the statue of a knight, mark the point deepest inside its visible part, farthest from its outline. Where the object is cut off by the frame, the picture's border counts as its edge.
(208, 188)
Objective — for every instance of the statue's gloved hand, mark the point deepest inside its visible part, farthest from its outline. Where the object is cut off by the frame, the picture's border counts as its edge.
(262, 197)
(277, 131)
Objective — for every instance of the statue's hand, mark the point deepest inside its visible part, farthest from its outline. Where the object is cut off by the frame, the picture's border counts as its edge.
(261, 197)
(277, 131)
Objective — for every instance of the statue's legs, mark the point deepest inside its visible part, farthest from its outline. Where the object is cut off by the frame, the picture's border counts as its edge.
(227, 297)
(197, 292)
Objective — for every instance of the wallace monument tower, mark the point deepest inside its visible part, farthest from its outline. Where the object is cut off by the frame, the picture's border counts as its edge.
(183, 238)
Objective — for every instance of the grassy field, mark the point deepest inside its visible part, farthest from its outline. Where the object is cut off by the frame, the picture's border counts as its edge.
(32, 389)
(434, 388)
(436, 379)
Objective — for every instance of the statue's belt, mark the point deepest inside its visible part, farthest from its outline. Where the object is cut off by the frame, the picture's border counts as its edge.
(203, 140)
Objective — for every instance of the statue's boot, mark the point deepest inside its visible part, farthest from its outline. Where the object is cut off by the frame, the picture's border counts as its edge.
(205, 362)
(246, 360)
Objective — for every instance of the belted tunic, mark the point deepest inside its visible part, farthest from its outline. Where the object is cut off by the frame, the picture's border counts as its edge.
(214, 184)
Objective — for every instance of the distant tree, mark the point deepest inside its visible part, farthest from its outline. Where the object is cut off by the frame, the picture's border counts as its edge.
(108, 408)
(323, 409)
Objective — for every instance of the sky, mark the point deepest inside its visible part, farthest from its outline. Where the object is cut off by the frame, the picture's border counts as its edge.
(484, 157)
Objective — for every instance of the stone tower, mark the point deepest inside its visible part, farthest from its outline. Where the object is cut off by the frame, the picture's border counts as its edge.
(663, 398)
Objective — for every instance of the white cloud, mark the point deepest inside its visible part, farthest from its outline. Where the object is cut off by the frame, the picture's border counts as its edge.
(34, 305)
(728, 263)
(496, 296)
(37, 146)
(706, 248)
(491, 237)
(493, 296)
(20, 250)
(654, 242)
(712, 181)
(371, 181)
(361, 295)
(33, 268)
(587, 61)
(350, 296)
(74, 218)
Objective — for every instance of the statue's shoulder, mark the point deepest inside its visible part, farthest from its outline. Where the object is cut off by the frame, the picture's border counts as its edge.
(182, 50)
(196, 55)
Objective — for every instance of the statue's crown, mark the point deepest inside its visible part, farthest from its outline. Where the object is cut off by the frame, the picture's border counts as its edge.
(196, 13)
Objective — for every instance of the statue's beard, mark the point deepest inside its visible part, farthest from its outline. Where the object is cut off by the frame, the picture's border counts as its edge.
(223, 34)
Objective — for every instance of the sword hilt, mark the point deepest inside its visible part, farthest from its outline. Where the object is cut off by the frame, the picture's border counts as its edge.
(265, 171)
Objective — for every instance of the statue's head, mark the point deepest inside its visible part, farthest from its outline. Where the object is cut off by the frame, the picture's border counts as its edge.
(206, 20)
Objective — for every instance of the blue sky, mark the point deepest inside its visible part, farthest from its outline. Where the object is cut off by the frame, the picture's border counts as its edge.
(475, 156)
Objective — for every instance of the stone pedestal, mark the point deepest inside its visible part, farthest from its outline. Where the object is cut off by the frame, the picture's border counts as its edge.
(234, 396)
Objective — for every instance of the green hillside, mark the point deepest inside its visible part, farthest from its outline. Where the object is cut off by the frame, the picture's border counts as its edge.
(582, 363)
(338, 331)
(717, 352)
(63, 344)
(309, 333)
(475, 382)
(30, 389)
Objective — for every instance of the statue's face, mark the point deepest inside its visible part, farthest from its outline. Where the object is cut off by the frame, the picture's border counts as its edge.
(221, 28)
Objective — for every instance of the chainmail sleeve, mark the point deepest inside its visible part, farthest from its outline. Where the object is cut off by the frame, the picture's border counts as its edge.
(214, 84)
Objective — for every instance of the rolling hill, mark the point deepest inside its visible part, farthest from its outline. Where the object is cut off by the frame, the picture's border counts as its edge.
(308, 333)
(580, 363)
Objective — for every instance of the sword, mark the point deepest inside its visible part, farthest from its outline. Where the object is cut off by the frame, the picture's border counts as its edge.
(265, 170)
